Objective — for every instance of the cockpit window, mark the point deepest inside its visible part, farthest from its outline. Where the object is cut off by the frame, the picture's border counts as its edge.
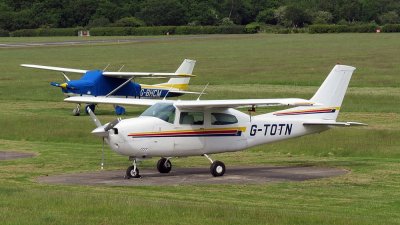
(222, 119)
(192, 118)
(164, 111)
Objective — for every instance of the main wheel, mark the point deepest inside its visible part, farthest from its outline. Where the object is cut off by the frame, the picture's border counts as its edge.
(164, 165)
(217, 168)
(131, 172)
(76, 112)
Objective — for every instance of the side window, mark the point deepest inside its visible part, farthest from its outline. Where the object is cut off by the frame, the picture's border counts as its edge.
(222, 119)
(192, 118)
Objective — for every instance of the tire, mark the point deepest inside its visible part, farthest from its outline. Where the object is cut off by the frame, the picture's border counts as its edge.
(164, 165)
(131, 173)
(217, 168)
(76, 112)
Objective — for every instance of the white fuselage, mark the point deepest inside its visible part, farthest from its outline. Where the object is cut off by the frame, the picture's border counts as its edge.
(213, 131)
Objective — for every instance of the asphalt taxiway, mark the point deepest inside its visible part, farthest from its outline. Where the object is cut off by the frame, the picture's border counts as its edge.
(113, 41)
(191, 176)
(8, 155)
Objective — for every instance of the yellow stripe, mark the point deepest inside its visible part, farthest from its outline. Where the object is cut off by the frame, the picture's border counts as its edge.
(182, 87)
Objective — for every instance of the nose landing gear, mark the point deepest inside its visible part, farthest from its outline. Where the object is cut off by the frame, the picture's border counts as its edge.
(132, 171)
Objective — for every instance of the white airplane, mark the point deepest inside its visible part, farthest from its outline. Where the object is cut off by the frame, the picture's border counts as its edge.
(121, 84)
(202, 127)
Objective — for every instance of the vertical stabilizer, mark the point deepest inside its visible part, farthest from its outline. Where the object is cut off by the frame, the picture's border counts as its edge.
(332, 91)
(186, 67)
(328, 99)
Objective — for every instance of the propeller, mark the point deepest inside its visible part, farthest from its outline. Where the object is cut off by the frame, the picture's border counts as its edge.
(102, 131)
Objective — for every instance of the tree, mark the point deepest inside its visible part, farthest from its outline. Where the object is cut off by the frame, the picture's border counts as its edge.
(201, 12)
(169, 12)
(267, 16)
(322, 17)
(390, 17)
(297, 16)
(129, 22)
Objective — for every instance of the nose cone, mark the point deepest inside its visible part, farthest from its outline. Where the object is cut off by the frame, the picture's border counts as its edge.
(64, 85)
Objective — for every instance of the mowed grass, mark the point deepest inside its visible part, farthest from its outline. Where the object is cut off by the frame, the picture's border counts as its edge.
(33, 118)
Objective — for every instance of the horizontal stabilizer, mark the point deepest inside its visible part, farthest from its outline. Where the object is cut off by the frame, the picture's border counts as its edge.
(185, 92)
(334, 123)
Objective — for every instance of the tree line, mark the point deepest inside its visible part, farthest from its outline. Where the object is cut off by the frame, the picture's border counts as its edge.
(28, 14)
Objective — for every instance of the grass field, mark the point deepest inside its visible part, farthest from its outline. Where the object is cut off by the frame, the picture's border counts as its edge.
(33, 118)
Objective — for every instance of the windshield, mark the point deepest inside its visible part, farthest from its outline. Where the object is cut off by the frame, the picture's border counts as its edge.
(164, 111)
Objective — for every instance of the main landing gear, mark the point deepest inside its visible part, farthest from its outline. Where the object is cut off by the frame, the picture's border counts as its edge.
(77, 110)
(217, 168)
(164, 165)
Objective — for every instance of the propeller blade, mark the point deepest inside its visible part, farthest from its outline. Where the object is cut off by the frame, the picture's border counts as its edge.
(112, 124)
(55, 84)
(63, 85)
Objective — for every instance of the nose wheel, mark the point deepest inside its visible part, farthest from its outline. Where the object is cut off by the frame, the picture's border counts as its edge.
(132, 171)
(164, 165)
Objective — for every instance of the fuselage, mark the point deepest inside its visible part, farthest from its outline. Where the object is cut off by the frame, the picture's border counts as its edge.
(93, 83)
(167, 131)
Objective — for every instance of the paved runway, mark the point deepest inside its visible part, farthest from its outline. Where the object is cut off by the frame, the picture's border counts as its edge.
(190, 176)
(8, 155)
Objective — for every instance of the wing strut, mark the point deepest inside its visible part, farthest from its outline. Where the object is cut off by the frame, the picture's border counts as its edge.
(202, 92)
(119, 87)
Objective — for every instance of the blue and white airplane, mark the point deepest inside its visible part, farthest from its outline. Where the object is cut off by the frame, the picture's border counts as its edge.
(119, 84)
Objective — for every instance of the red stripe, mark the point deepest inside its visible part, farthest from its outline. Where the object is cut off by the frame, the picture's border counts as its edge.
(187, 133)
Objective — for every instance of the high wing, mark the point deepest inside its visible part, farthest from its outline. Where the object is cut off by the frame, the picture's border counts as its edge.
(144, 74)
(194, 104)
(53, 68)
(114, 101)
(125, 75)
(333, 123)
(241, 103)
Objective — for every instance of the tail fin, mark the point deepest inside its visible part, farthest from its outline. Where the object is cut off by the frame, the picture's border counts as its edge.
(332, 91)
(186, 67)
(328, 99)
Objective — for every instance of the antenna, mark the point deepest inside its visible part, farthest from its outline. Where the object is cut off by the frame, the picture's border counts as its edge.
(121, 68)
(250, 110)
(202, 92)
